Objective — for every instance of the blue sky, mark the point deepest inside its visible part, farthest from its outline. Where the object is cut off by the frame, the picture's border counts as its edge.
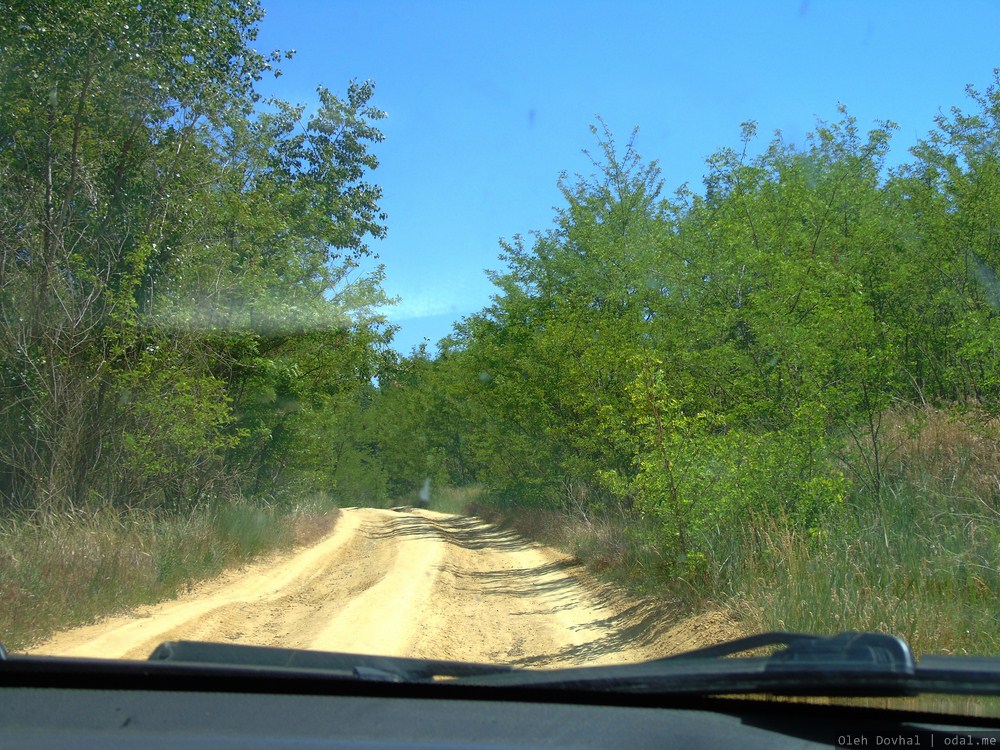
(488, 102)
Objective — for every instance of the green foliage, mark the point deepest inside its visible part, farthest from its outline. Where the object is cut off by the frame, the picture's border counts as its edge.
(181, 312)
(724, 360)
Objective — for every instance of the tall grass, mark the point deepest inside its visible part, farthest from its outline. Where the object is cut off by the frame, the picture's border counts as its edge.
(907, 566)
(921, 559)
(58, 571)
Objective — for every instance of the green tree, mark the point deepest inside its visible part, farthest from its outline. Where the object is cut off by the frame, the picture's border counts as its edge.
(952, 307)
(171, 248)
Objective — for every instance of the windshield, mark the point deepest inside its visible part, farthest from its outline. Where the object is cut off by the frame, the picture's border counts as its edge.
(532, 334)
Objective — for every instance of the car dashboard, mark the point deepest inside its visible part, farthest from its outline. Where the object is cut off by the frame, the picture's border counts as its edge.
(141, 706)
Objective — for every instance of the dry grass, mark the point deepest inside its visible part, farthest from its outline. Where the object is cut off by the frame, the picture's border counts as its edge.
(309, 527)
(64, 570)
(951, 452)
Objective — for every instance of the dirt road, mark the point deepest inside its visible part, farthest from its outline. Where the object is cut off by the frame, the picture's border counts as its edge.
(407, 583)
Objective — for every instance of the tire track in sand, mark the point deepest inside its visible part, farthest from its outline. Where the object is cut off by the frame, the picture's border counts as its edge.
(503, 599)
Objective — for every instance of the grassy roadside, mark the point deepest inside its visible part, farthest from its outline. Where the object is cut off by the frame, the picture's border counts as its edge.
(62, 571)
(920, 559)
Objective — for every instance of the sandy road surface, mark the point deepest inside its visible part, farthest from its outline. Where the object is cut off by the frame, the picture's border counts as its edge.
(405, 583)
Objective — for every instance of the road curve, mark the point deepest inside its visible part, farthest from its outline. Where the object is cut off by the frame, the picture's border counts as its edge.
(401, 582)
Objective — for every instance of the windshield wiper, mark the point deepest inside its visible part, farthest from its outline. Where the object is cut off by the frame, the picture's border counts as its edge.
(848, 664)
(355, 666)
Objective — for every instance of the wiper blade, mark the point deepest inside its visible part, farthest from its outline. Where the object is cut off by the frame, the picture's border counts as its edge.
(355, 666)
(848, 664)
(887, 652)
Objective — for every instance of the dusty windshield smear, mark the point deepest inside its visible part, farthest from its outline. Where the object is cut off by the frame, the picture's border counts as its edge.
(749, 384)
